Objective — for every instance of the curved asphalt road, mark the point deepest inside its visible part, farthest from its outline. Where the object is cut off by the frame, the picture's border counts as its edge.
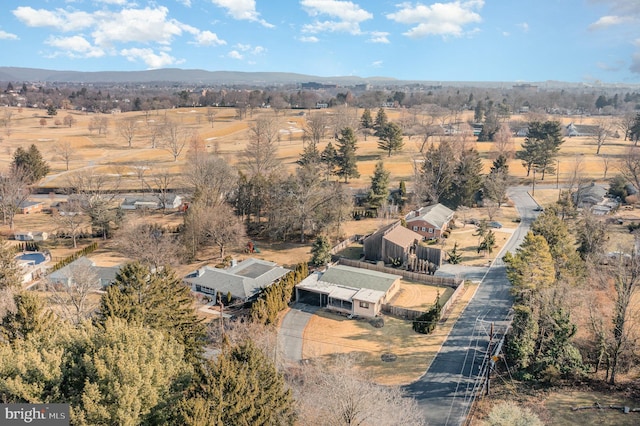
(444, 392)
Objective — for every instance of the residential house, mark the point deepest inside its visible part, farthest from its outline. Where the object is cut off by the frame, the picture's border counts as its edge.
(104, 276)
(393, 241)
(244, 281)
(430, 221)
(28, 207)
(31, 236)
(152, 202)
(348, 290)
(581, 130)
(589, 195)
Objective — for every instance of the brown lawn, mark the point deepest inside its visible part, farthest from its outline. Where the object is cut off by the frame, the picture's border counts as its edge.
(327, 334)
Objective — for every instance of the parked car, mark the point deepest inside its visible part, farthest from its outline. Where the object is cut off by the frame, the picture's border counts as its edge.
(495, 224)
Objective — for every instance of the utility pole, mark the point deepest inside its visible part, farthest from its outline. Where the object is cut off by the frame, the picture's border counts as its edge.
(489, 359)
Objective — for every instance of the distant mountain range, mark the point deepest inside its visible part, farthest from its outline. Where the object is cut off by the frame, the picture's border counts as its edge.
(203, 77)
(176, 75)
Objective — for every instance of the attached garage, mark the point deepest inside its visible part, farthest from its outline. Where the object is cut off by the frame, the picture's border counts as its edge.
(311, 298)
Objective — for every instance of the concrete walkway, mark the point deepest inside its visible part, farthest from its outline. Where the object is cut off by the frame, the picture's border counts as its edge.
(291, 331)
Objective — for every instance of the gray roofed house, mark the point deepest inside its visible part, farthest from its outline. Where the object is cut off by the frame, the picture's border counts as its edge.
(589, 195)
(151, 201)
(104, 275)
(244, 281)
(581, 130)
(349, 290)
(430, 221)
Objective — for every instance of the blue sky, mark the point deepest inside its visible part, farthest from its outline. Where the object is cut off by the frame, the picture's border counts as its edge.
(465, 40)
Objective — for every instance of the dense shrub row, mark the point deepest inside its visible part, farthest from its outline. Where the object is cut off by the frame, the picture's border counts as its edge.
(67, 260)
(276, 297)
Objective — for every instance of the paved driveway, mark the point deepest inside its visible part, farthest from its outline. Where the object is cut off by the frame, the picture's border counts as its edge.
(290, 333)
(445, 391)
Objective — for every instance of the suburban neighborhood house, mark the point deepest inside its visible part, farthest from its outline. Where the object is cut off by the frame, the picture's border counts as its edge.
(393, 241)
(84, 269)
(431, 221)
(152, 202)
(244, 281)
(349, 290)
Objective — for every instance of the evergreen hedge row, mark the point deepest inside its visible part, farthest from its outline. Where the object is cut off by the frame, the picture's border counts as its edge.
(276, 298)
(67, 260)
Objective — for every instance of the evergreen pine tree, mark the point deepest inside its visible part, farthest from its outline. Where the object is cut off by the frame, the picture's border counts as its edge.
(380, 121)
(366, 121)
(390, 138)
(241, 387)
(320, 251)
(346, 160)
(379, 191)
(31, 162)
(155, 299)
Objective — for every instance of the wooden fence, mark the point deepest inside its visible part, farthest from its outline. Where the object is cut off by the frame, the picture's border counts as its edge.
(396, 311)
(413, 276)
(344, 244)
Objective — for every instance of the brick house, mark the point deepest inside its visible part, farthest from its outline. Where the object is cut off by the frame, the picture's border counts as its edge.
(430, 221)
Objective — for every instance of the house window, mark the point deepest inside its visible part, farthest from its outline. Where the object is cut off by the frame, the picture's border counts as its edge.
(415, 228)
(364, 305)
(424, 229)
(431, 230)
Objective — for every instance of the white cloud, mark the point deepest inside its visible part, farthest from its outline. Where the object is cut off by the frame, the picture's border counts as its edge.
(345, 16)
(116, 2)
(75, 47)
(135, 25)
(379, 37)
(244, 10)
(247, 48)
(149, 57)
(7, 36)
(234, 54)
(444, 19)
(523, 26)
(506, 34)
(207, 38)
(60, 19)
(610, 21)
(376, 64)
(309, 39)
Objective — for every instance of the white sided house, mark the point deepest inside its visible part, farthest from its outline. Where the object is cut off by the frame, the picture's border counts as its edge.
(244, 281)
(349, 290)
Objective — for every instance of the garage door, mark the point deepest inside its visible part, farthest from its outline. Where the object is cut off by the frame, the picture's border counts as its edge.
(310, 298)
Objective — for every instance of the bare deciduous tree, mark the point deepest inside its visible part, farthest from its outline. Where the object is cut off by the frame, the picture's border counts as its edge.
(127, 129)
(99, 123)
(14, 190)
(336, 394)
(211, 116)
(209, 178)
(73, 297)
(64, 151)
(149, 244)
(503, 142)
(260, 155)
(601, 133)
(70, 219)
(95, 193)
(216, 225)
(176, 138)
